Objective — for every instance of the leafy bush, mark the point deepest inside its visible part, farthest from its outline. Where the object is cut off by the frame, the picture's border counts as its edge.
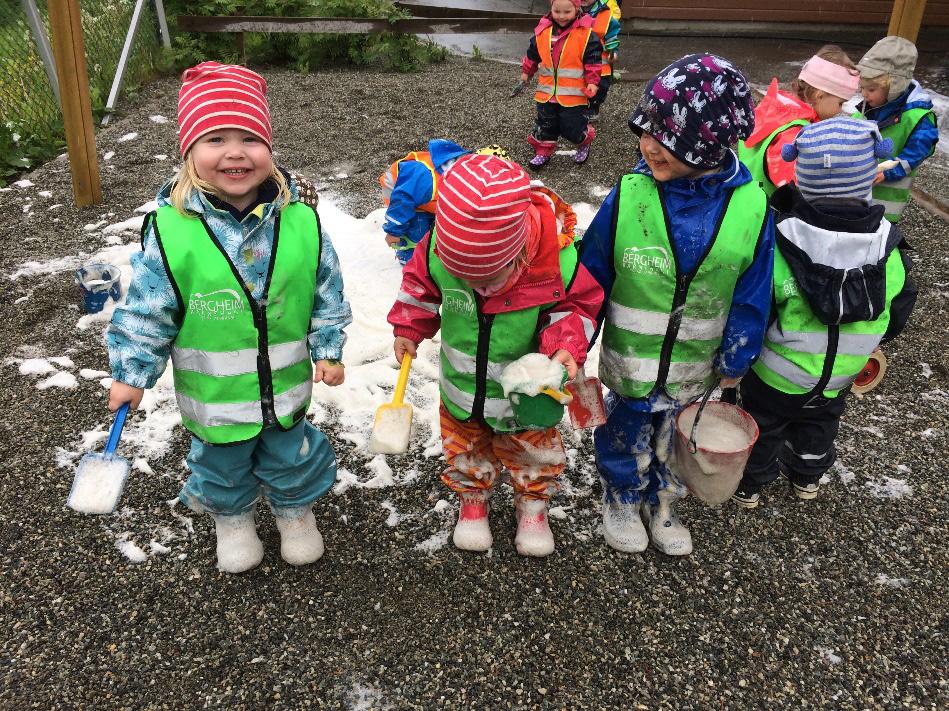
(303, 51)
(21, 149)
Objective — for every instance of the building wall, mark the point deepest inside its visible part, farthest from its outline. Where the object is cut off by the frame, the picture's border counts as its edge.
(862, 12)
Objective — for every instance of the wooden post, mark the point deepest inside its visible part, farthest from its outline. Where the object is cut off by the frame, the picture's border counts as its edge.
(907, 18)
(69, 51)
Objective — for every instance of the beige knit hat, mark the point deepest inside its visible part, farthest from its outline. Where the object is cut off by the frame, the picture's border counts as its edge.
(893, 56)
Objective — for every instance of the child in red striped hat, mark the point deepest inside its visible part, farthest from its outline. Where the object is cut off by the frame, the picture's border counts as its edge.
(495, 277)
(234, 273)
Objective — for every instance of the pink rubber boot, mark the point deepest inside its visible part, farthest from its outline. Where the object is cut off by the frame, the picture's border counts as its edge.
(473, 531)
(542, 152)
(583, 150)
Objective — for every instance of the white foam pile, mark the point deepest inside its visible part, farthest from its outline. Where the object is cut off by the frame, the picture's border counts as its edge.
(530, 374)
(98, 484)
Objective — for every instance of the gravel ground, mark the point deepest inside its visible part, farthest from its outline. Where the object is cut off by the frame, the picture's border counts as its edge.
(838, 603)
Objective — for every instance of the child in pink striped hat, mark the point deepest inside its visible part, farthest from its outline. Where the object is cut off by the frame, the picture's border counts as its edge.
(234, 273)
(495, 276)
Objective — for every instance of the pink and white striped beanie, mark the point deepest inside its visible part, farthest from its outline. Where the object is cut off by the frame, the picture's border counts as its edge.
(215, 96)
(481, 216)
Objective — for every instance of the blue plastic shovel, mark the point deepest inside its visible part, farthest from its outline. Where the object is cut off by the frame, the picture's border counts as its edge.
(99, 479)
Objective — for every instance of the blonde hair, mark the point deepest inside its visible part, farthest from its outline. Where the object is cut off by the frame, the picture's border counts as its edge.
(831, 53)
(187, 180)
(878, 82)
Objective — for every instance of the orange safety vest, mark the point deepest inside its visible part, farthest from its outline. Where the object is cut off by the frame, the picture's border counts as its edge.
(387, 180)
(600, 25)
(565, 81)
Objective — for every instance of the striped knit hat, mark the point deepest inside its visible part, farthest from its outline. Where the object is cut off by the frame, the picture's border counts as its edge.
(837, 158)
(215, 96)
(481, 216)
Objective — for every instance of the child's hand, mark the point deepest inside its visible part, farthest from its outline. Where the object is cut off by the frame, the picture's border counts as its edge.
(524, 77)
(392, 241)
(401, 346)
(120, 393)
(729, 383)
(330, 372)
(590, 91)
(879, 178)
(567, 361)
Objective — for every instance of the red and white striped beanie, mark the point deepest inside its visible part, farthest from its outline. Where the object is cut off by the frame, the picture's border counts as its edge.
(481, 216)
(215, 96)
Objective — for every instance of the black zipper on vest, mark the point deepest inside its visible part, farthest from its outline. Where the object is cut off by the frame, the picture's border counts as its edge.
(485, 322)
(683, 282)
(258, 313)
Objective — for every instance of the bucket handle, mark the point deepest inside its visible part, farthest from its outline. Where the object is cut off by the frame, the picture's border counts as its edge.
(693, 447)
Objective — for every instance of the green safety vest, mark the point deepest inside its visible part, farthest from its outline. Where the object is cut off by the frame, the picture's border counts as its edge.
(895, 195)
(800, 353)
(755, 159)
(476, 347)
(239, 365)
(663, 326)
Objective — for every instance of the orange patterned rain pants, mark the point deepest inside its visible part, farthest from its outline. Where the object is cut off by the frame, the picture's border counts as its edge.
(476, 455)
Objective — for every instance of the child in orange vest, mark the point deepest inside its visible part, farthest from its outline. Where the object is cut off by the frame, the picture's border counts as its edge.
(568, 55)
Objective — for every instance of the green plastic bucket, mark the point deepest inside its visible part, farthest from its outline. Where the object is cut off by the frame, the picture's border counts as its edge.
(537, 412)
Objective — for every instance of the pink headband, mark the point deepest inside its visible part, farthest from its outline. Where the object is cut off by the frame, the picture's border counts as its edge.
(830, 77)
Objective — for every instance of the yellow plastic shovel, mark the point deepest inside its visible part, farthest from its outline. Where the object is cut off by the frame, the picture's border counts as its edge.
(393, 424)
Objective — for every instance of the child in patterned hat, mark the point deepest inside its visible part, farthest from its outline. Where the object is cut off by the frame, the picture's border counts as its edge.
(841, 288)
(683, 248)
(495, 278)
(234, 308)
(568, 54)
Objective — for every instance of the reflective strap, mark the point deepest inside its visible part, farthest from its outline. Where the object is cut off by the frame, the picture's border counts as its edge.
(904, 183)
(242, 362)
(570, 73)
(805, 342)
(569, 91)
(412, 301)
(545, 71)
(808, 457)
(464, 363)
(544, 89)
(798, 376)
(646, 370)
(493, 407)
(219, 414)
(890, 207)
(287, 403)
(655, 323)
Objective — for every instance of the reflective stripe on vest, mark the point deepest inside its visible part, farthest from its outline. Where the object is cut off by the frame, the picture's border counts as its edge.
(894, 196)
(388, 179)
(663, 327)
(565, 81)
(600, 25)
(229, 382)
(755, 159)
(476, 347)
(797, 346)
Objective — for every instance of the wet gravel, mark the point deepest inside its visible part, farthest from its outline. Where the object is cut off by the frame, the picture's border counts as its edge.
(838, 603)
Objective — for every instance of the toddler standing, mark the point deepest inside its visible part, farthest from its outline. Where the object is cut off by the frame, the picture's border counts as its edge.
(683, 249)
(841, 287)
(568, 55)
(493, 277)
(607, 28)
(240, 287)
(904, 113)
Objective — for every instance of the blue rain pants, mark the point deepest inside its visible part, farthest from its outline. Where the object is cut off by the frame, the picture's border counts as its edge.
(626, 448)
(289, 469)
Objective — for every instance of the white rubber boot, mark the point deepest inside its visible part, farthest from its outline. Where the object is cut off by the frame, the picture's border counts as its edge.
(473, 530)
(300, 539)
(534, 537)
(668, 533)
(238, 547)
(623, 527)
